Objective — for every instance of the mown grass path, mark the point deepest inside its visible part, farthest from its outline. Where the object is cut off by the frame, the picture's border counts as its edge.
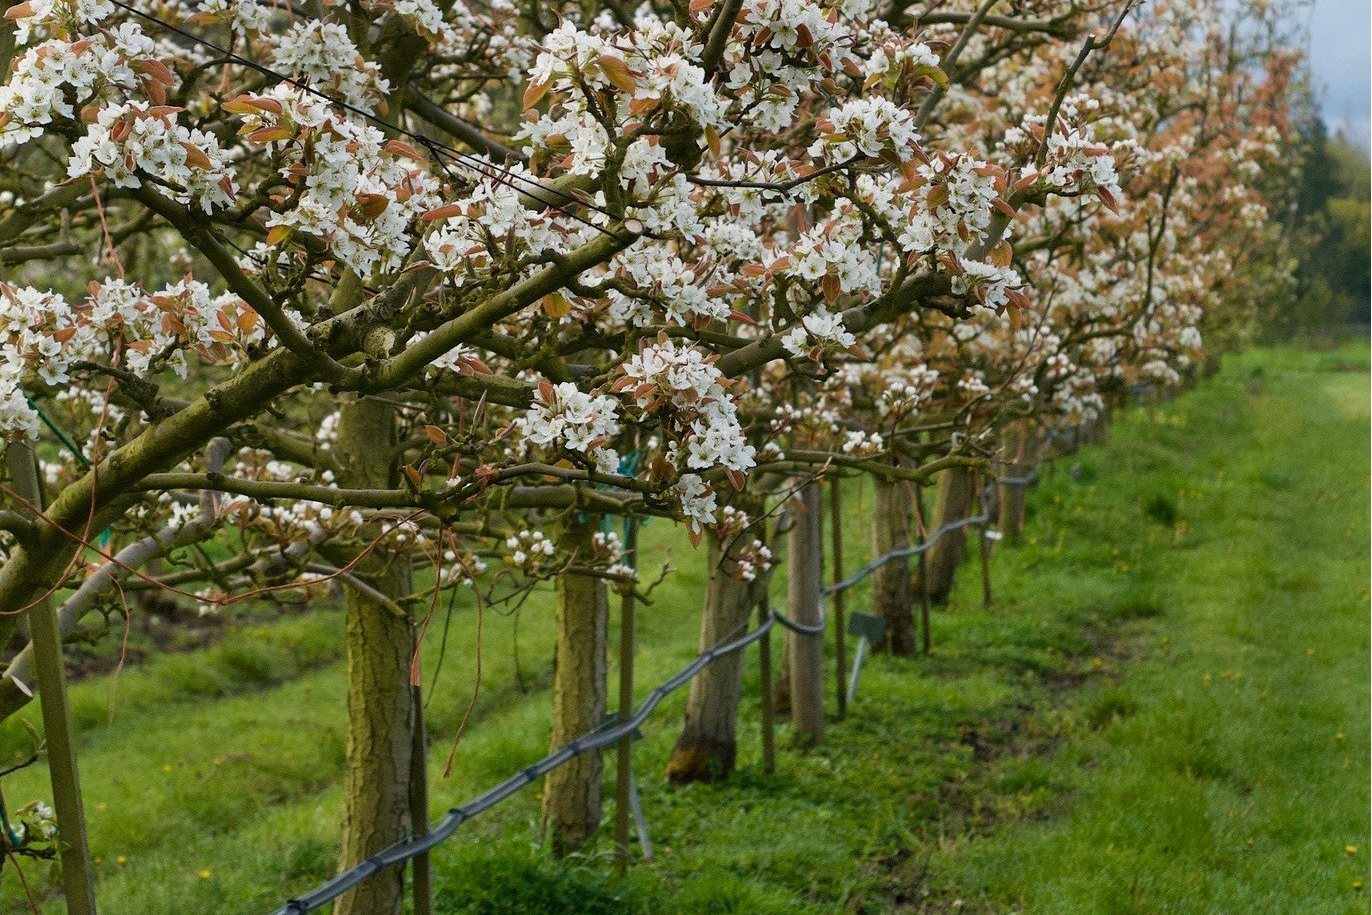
(1165, 711)
(1233, 774)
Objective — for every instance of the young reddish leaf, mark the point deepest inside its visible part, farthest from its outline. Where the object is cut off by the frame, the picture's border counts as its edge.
(373, 205)
(197, 157)
(555, 305)
(535, 91)
(156, 69)
(239, 105)
(618, 73)
(269, 134)
(443, 212)
(401, 148)
(413, 474)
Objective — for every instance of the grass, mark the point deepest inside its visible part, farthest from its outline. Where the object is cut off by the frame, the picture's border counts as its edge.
(1164, 711)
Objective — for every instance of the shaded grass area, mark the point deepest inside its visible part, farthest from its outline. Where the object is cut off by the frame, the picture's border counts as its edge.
(1164, 711)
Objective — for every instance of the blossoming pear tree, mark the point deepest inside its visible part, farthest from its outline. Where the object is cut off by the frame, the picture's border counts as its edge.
(406, 296)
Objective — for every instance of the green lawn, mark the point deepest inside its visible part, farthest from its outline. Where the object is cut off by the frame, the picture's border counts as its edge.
(1165, 711)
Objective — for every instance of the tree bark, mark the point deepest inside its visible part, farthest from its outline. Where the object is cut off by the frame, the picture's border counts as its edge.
(708, 746)
(1020, 447)
(953, 502)
(804, 578)
(380, 700)
(571, 795)
(892, 584)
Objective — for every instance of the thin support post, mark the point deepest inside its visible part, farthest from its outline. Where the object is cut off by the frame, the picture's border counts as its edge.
(985, 542)
(625, 791)
(769, 708)
(421, 882)
(859, 656)
(921, 532)
(78, 878)
(840, 646)
(640, 821)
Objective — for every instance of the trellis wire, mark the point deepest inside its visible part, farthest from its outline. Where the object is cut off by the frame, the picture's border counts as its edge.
(609, 735)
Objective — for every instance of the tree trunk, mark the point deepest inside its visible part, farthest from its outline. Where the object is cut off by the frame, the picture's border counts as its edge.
(571, 795)
(804, 578)
(380, 700)
(953, 502)
(892, 591)
(1020, 447)
(707, 747)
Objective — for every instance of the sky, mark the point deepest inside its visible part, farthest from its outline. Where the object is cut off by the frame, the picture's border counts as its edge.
(1340, 33)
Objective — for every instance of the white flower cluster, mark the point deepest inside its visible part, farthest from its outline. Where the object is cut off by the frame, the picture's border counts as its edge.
(834, 256)
(244, 17)
(866, 127)
(889, 62)
(697, 501)
(462, 572)
(693, 402)
(424, 15)
(957, 197)
(747, 559)
(751, 560)
(42, 334)
(607, 552)
(127, 141)
(358, 193)
(662, 278)
(907, 390)
(781, 49)
(860, 444)
(324, 57)
(473, 232)
(818, 333)
(650, 68)
(527, 550)
(55, 18)
(47, 78)
(973, 384)
(991, 285)
(564, 415)
(1077, 162)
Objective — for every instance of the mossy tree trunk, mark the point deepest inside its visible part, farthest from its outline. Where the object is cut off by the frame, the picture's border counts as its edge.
(892, 585)
(804, 578)
(952, 502)
(708, 745)
(571, 794)
(380, 645)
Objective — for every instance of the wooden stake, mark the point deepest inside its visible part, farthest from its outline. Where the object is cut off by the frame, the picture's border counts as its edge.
(840, 648)
(804, 581)
(982, 528)
(421, 881)
(623, 770)
(921, 531)
(769, 712)
(78, 879)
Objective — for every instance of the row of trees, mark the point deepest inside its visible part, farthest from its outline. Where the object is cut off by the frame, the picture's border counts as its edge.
(407, 296)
